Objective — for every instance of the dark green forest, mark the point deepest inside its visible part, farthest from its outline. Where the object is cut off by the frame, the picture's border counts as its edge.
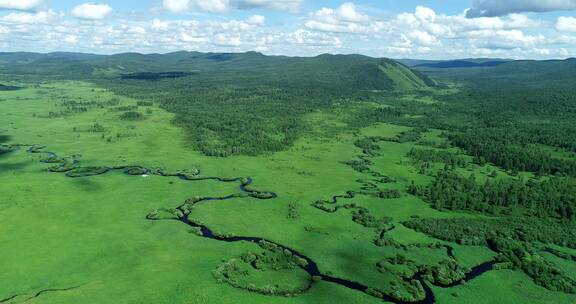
(519, 117)
(554, 197)
(230, 104)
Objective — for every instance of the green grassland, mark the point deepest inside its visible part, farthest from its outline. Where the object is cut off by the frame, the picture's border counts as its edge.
(82, 232)
(506, 286)
(87, 240)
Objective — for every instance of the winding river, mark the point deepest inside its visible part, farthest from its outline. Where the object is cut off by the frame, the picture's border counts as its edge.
(73, 169)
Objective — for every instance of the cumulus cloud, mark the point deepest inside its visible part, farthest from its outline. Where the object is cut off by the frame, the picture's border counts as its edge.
(453, 27)
(505, 39)
(159, 25)
(177, 6)
(19, 18)
(219, 6)
(307, 38)
(213, 6)
(71, 39)
(91, 11)
(284, 5)
(345, 28)
(423, 38)
(566, 24)
(494, 8)
(257, 20)
(343, 19)
(425, 31)
(24, 5)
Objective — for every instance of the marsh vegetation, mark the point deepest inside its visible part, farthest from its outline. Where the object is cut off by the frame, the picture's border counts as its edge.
(362, 182)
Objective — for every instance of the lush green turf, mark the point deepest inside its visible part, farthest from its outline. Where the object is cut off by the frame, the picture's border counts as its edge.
(504, 286)
(91, 233)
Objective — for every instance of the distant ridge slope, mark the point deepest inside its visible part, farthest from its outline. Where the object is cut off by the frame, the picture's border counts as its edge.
(248, 68)
(527, 74)
(404, 78)
(228, 103)
(454, 63)
(460, 64)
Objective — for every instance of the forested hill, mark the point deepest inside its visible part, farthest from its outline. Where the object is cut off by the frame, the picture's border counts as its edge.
(229, 103)
(519, 115)
(527, 74)
(536, 74)
(251, 68)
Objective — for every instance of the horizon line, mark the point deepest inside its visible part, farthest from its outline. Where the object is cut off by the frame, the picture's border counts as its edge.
(280, 55)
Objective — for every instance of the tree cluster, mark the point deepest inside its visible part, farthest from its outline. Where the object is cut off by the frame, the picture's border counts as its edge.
(551, 197)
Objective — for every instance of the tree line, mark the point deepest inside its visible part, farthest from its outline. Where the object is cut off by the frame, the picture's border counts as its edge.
(551, 197)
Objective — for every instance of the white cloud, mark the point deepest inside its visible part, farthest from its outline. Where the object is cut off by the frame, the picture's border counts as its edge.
(303, 37)
(136, 30)
(522, 21)
(181, 6)
(91, 11)
(425, 19)
(220, 6)
(195, 39)
(566, 24)
(565, 39)
(257, 20)
(177, 6)
(424, 31)
(504, 39)
(346, 28)
(71, 39)
(30, 18)
(423, 38)
(213, 6)
(23, 5)
(283, 5)
(227, 40)
(494, 8)
(159, 25)
(344, 19)
(425, 14)
(348, 12)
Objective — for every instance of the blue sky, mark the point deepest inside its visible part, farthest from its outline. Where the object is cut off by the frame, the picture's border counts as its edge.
(425, 29)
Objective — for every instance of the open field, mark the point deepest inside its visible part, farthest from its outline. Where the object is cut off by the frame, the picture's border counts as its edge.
(88, 239)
